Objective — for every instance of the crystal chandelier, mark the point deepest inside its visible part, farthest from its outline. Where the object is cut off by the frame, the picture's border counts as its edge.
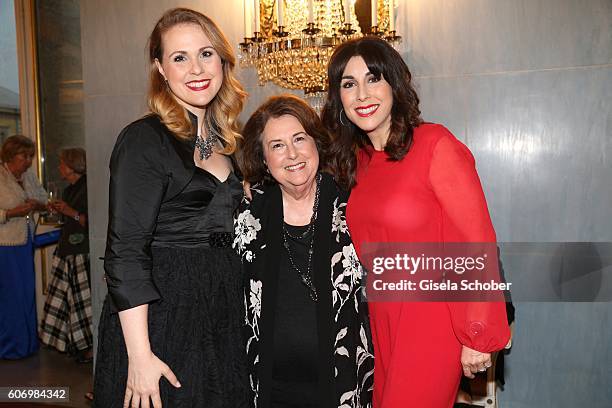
(290, 42)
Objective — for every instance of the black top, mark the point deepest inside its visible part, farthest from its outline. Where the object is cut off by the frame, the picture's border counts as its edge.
(75, 239)
(295, 368)
(158, 197)
(206, 205)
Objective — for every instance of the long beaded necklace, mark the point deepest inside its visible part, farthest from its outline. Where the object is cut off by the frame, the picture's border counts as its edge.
(205, 145)
(305, 277)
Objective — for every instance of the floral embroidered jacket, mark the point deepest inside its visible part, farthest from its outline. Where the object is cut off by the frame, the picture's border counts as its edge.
(345, 360)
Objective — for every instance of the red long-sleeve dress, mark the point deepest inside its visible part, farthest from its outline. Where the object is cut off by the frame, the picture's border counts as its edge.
(432, 195)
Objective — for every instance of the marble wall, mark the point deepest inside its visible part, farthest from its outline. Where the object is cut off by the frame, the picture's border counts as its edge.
(60, 81)
(523, 83)
(526, 85)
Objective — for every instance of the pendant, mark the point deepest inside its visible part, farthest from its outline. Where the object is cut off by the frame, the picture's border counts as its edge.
(205, 146)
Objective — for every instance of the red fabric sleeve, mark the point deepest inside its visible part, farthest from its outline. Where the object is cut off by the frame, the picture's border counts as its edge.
(482, 326)
(456, 184)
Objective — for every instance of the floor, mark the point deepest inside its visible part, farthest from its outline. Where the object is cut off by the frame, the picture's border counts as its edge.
(48, 368)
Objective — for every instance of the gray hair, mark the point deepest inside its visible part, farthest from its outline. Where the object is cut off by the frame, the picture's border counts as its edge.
(75, 158)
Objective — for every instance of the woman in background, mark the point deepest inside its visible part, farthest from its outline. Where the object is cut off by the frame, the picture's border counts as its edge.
(175, 306)
(67, 319)
(20, 195)
(412, 182)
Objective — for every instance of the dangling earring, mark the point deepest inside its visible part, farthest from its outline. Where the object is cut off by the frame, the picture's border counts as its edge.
(340, 116)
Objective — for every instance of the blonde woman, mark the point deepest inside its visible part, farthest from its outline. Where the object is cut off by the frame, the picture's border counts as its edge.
(20, 195)
(175, 308)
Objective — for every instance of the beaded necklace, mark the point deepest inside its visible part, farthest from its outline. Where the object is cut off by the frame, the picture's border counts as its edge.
(305, 276)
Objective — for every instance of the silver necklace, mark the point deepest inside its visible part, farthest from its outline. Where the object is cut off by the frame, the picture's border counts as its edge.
(205, 145)
(305, 277)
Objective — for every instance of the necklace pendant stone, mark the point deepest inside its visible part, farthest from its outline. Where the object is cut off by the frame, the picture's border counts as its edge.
(205, 145)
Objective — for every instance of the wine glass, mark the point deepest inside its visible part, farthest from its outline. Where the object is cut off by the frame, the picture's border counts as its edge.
(54, 193)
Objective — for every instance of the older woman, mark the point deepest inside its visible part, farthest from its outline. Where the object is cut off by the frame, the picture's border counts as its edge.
(67, 319)
(307, 340)
(174, 307)
(20, 195)
(412, 182)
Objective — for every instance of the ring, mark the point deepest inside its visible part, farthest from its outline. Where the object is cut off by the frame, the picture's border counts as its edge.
(482, 369)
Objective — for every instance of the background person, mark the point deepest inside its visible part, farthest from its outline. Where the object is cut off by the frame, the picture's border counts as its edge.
(172, 275)
(20, 195)
(307, 335)
(67, 319)
(411, 182)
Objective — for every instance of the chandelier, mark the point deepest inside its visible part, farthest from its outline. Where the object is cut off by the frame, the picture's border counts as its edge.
(289, 42)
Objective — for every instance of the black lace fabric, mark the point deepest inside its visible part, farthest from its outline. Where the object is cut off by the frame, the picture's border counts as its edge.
(195, 329)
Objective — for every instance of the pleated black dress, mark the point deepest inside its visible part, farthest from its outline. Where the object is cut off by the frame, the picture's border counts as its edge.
(195, 298)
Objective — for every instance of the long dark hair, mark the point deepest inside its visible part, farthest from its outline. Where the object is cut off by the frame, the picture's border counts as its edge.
(382, 60)
(250, 153)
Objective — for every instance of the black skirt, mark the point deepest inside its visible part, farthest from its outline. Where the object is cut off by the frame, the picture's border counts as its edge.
(195, 328)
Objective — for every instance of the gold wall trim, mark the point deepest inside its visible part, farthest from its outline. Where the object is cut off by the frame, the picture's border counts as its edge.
(29, 102)
(43, 267)
(29, 97)
(34, 72)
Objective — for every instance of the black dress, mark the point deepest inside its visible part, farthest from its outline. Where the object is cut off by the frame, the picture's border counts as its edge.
(187, 273)
(295, 373)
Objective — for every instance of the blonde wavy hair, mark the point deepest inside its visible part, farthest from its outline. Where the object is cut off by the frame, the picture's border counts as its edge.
(222, 112)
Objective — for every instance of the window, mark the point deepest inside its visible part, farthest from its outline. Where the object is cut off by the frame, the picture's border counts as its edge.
(9, 76)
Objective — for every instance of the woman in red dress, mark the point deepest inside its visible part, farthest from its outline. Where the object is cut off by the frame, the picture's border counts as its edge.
(411, 182)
